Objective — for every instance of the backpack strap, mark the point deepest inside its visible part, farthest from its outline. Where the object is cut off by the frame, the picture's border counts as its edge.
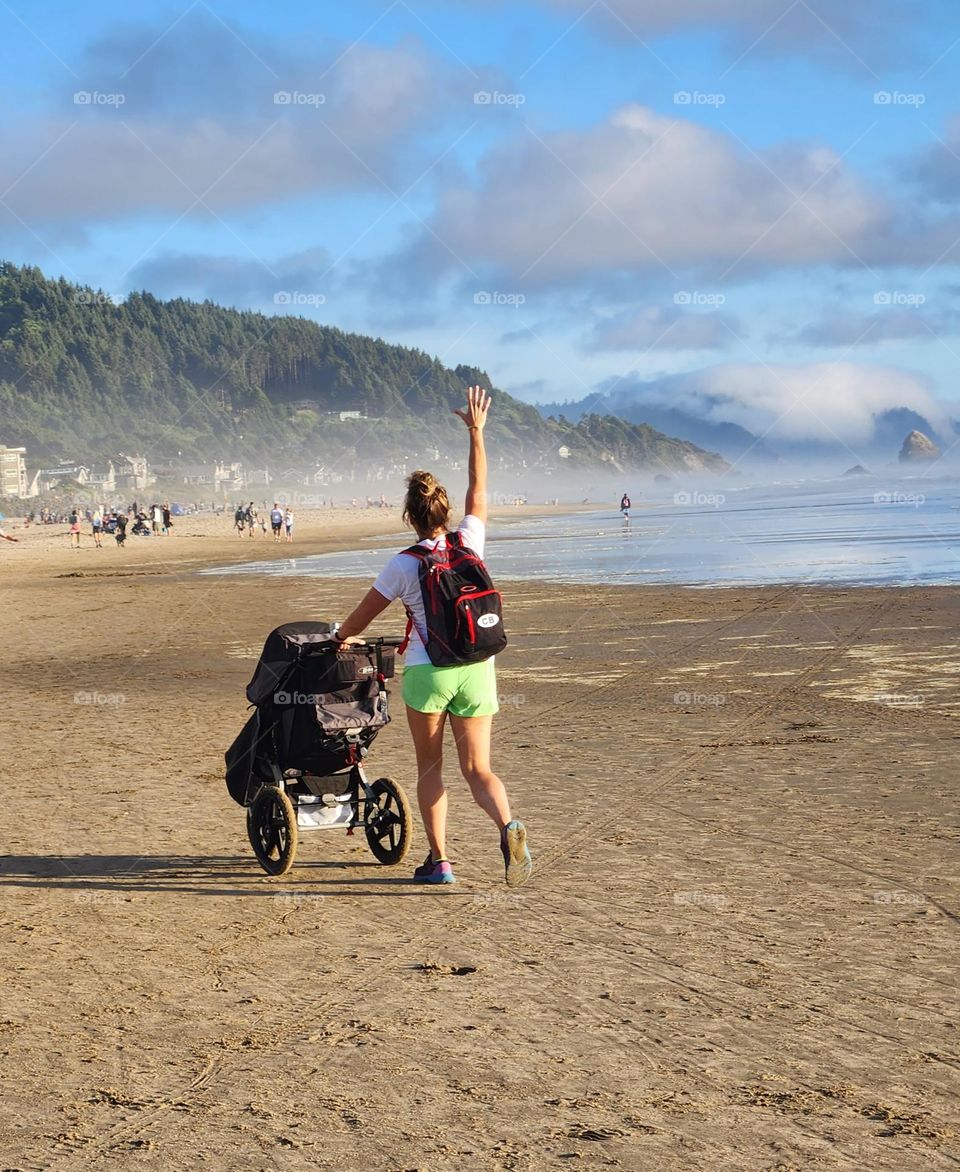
(421, 554)
(402, 649)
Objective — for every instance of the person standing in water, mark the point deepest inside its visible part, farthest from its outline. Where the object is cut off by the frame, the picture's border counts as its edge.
(465, 694)
(625, 506)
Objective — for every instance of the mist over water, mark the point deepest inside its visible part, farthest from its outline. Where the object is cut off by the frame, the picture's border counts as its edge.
(893, 533)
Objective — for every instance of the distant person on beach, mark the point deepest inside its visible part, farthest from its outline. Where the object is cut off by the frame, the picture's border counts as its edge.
(466, 693)
(6, 536)
(250, 517)
(75, 529)
(167, 519)
(156, 519)
(120, 535)
(288, 524)
(625, 505)
(276, 520)
(239, 520)
(96, 524)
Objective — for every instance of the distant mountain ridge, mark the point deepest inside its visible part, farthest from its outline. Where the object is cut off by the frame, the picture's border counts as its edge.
(740, 445)
(83, 376)
(729, 439)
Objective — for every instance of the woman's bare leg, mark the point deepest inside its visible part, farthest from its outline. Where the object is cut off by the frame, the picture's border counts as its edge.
(472, 735)
(427, 731)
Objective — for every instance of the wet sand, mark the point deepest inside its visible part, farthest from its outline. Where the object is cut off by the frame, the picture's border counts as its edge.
(738, 950)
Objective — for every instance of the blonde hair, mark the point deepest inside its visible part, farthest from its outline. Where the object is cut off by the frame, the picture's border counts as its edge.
(427, 506)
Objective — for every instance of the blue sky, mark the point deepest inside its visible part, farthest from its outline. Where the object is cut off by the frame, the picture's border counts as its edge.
(760, 195)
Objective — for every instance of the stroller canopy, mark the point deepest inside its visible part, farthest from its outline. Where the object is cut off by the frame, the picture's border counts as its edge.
(282, 650)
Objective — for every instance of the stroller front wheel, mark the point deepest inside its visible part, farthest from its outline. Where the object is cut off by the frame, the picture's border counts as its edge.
(272, 829)
(388, 824)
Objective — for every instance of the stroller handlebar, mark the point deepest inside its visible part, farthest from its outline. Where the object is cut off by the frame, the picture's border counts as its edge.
(377, 641)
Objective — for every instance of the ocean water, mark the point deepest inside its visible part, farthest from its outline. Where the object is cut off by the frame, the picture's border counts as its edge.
(867, 532)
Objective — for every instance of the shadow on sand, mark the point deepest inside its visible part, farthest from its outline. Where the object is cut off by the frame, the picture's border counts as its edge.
(201, 875)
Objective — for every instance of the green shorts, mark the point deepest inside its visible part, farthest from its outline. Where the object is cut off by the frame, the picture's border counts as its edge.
(468, 690)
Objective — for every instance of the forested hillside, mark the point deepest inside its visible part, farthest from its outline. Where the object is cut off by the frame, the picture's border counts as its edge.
(83, 377)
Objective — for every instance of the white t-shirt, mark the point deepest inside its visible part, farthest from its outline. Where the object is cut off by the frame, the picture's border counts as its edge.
(400, 578)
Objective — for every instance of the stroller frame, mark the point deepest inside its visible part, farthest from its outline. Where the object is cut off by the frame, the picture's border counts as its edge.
(296, 800)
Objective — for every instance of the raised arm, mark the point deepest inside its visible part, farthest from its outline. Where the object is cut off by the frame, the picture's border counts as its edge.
(475, 417)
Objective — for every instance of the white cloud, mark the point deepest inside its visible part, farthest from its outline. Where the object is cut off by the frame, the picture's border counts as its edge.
(787, 403)
(244, 122)
(653, 194)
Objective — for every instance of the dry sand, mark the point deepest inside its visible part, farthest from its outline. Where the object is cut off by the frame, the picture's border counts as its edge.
(738, 950)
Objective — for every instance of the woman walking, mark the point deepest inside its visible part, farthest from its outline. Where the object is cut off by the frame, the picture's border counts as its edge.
(466, 693)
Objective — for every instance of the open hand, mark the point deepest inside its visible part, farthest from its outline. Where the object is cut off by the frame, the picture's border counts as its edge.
(478, 404)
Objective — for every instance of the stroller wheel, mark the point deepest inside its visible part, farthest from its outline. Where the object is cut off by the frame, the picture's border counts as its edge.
(388, 824)
(272, 829)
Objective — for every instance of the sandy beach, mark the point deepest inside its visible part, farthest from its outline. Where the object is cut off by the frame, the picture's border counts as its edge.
(738, 950)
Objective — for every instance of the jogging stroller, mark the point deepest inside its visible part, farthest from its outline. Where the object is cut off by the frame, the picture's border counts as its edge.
(298, 763)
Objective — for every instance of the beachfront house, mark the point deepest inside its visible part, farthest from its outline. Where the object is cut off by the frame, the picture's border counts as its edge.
(103, 477)
(133, 472)
(13, 472)
(228, 477)
(63, 476)
(220, 476)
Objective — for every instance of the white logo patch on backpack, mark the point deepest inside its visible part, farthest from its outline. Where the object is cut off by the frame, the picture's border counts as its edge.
(488, 620)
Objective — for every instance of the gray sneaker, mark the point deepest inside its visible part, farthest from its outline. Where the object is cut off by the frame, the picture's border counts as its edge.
(516, 854)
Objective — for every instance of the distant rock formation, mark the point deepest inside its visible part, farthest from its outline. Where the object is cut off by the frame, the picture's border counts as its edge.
(857, 470)
(917, 447)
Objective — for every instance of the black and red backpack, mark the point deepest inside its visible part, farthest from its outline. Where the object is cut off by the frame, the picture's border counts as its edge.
(464, 610)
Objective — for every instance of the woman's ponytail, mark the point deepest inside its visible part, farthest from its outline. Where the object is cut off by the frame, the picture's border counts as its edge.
(427, 506)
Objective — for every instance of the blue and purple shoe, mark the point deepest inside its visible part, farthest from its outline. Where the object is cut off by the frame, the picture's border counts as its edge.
(431, 872)
(516, 853)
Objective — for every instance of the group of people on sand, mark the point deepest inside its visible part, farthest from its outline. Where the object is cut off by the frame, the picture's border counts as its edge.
(246, 519)
(148, 520)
